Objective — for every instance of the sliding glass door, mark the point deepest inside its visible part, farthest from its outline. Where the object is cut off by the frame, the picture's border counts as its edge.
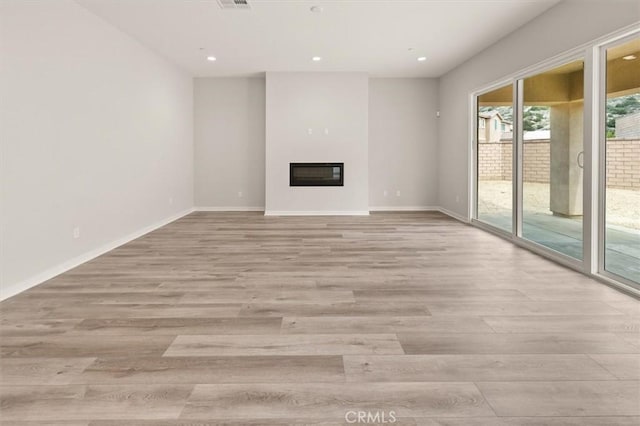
(533, 180)
(552, 158)
(548, 125)
(495, 158)
(621, 186)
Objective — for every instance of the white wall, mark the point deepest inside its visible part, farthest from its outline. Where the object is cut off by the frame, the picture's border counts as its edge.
(229, 135)
(296, 102)
(403, 141)
(96, 133)
(563, 27)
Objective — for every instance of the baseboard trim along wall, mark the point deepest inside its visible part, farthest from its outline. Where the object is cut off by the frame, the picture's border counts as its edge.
(317, 213)
(454, 215)
(404, 209)
(83, 258)
(228, 209)
(334, 213)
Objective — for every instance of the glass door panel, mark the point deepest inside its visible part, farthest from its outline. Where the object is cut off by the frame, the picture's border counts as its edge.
(495, 158)
(552, 174)
(622, 174)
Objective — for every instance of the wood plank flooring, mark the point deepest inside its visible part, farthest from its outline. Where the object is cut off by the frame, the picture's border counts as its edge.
(241, 319)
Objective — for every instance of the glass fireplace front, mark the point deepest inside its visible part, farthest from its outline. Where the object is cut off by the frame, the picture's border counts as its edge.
(316, 174)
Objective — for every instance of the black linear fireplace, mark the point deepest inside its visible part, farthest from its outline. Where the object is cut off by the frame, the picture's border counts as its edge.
(316, 174)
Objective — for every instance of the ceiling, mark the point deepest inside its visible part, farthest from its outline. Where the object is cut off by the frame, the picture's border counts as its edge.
(381, 37)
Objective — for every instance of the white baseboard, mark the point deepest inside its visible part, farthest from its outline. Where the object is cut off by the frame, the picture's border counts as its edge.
(404, 209)
(228, 209)
(454, 215)
(43, 276)
(316, 213)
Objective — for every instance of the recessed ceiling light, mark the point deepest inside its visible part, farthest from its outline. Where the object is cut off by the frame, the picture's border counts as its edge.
(316, 9)
(211, 58)
(629, 57)
(422, 58)
(316, 59)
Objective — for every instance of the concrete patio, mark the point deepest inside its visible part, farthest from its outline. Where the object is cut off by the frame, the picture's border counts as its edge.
(565, 234)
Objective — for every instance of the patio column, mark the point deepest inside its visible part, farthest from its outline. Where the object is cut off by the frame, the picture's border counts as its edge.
(566, 146)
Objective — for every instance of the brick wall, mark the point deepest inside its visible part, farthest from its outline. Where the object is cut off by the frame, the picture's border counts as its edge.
(537, 161)
(623, 162)
(496, 162)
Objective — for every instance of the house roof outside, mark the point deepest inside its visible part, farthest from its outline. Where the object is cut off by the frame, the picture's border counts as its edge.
(491, 114)
(537, 135)
(628, 127)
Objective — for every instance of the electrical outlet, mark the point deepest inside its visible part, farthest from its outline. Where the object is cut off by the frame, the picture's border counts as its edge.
(385, 192)
(326, 131)
(239, 194)
(310, 131)
(398, 193)
(76, 232)
(170, 200)
(457, 198)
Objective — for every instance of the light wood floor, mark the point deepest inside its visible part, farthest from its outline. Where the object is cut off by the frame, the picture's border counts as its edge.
(241, 319)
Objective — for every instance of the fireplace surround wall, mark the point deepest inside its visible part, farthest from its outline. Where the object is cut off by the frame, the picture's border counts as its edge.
(317, 118)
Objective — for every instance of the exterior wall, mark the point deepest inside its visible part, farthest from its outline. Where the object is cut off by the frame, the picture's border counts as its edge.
(495, 160)
(623, 162)
(537, 161)
(482, 131)
(490, 133)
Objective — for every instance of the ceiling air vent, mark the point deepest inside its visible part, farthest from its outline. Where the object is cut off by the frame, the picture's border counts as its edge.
(234, 4)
